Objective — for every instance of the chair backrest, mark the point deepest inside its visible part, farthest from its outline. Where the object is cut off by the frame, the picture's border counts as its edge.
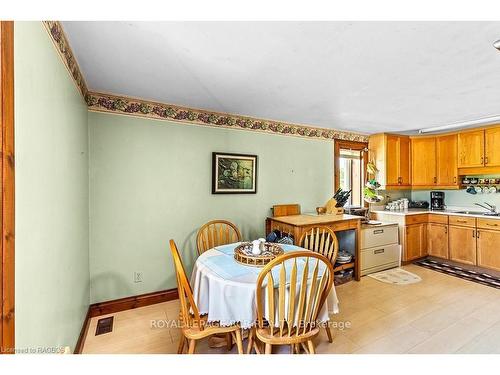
(286, 209)
(294, 302)
(216, 233)
(321, 240)
(189, 311)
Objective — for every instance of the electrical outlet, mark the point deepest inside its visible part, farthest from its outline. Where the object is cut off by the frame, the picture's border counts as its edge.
(138, 277)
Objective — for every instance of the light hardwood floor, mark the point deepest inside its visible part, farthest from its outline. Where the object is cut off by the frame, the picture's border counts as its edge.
(441, 314)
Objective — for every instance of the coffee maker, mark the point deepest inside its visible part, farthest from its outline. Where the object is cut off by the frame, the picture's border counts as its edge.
(437, 200)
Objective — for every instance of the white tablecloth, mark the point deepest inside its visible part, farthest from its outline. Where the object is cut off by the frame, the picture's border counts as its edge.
(225, 289)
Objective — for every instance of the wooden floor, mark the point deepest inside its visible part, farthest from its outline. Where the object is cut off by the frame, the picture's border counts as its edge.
(441, 314)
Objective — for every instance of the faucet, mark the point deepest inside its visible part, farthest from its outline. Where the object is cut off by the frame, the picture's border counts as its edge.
(490, 207)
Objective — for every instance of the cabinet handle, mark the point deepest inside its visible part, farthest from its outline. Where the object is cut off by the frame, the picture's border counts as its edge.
(473, 234)
(486, 160)
(482, 160)
(477, 234)
(435, 179)
(445, 230)
(455, 179)
(379, 251)
(462, 221)
(378, 231)
(492, 225)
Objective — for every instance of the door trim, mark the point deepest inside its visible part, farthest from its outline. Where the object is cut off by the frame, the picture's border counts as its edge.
(7, 186)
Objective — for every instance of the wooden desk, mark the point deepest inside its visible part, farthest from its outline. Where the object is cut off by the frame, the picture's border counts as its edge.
(298, 224)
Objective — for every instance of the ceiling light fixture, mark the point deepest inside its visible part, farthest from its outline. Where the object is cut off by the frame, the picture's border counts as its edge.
(497, 44)
(479, 121)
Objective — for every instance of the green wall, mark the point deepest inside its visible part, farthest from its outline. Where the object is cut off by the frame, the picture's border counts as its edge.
(51, 144)
(150, 181)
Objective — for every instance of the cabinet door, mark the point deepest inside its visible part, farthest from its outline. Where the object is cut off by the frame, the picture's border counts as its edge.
(447, 158)
(437, 240)
(492, 147)
(404, 161)
(471, 149)
(392, 160)
(462, 244)
(488, 251)
(423, 161)
(415, 238)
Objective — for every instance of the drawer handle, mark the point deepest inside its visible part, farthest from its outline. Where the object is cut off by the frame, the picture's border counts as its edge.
(461, 221)
(378, 231)
(379, 251)
(492, 225)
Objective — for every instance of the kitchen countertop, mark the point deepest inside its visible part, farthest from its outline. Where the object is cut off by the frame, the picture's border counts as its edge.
(417, 211)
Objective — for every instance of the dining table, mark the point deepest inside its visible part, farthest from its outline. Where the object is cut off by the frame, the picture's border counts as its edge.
(225, 289)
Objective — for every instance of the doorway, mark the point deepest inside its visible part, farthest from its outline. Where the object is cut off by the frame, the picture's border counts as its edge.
(351, 159)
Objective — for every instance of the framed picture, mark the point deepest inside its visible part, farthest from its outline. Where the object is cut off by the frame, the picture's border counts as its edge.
(234, 173)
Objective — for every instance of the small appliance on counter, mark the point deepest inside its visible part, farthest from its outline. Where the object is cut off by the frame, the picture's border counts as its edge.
(418, 204)
(437, 200)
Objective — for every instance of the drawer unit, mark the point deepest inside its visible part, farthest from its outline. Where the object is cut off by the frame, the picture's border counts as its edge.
(463, 221)
(438, 219)
(488, 223)
(379, 236)
(380, 258)
(417, 219)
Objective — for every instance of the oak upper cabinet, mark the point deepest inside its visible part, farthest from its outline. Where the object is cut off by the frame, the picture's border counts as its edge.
(471, 148)
(391, 155)
(462, 244)
(488, 251)
(415, 241)
(423, 156)
(446, 160)
(492, 147)
(437, 240)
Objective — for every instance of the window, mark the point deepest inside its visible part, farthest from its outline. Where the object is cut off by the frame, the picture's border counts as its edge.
(350, 170)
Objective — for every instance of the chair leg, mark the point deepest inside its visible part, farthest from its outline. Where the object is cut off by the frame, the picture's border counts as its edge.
(329, 334)
(250, 341)
(310, 345)
(192, 346)
(180, 348)
(269, 348)
(239, 342)
(229, 341)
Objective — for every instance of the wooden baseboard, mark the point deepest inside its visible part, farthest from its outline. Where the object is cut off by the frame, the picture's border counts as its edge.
(122, 304)
(83, 334)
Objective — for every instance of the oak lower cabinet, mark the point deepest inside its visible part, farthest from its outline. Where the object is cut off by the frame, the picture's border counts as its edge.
(437, 240)
(488, 249)
(462, 244)
(415, 241)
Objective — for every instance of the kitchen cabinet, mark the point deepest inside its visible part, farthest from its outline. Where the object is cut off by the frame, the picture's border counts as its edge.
(471, 148)
(437, 240)
(415, 241)
(423, 156)
(492, 147)
(462, 244)
(447, 160)
(391, 155)
(488, 251)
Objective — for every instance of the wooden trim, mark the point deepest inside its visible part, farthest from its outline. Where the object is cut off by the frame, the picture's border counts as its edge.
(470, 171)
(83, 334)
(7, 190)
(128, 303)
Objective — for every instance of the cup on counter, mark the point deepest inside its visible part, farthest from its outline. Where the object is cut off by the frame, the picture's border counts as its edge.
(478, 189)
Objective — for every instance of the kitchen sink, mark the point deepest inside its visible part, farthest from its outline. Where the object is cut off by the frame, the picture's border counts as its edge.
(477, 213)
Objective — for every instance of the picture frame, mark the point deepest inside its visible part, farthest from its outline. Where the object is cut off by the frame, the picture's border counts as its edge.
(234, 173)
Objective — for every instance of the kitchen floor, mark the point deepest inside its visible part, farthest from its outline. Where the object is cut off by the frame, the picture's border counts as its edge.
(440, 314)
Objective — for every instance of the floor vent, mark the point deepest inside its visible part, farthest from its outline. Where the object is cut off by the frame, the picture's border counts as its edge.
(104, 325)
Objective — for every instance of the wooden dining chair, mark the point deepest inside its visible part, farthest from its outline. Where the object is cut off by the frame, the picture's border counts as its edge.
(216, 233)
(321, 240)
(193, 326)
(294, 303)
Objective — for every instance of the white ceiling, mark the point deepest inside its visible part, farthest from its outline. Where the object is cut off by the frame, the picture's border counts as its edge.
(360, 76)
